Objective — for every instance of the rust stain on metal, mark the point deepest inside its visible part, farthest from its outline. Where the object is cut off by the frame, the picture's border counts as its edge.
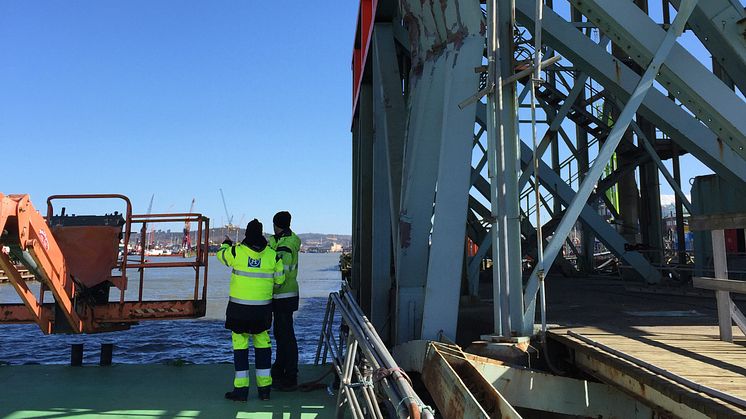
(617, 71)
(458, 388)
(442, 31)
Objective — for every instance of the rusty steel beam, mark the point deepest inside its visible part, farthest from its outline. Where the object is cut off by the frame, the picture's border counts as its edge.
(134, 311)
(20, 314)
(457, 387)
(129, 312)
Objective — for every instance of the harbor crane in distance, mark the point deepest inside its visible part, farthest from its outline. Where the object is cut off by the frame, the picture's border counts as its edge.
(186, 242)
(229, 226)
(81, 260)
(151, 234)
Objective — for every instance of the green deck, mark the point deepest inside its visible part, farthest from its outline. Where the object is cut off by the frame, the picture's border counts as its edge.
(148, 391)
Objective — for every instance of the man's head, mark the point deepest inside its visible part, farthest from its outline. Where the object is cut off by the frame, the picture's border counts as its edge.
(254, 231)
(281, 221)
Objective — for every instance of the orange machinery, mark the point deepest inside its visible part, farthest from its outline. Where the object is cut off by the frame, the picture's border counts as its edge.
(79, 259)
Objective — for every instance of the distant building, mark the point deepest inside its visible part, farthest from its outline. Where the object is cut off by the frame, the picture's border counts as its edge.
(336, 248)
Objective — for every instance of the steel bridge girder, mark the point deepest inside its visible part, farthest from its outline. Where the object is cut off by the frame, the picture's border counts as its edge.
(690, 134)
(682, 74)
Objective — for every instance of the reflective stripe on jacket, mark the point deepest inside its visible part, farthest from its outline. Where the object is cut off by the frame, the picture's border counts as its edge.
(287, 246)
(255, 274)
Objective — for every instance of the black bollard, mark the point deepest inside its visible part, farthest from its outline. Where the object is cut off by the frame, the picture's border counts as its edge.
(107, 350)
(76, 355)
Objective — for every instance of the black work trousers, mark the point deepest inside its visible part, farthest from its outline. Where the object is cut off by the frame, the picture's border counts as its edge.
(285, 368)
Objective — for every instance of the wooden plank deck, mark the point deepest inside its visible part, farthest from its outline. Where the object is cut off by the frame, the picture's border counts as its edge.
(692, 352)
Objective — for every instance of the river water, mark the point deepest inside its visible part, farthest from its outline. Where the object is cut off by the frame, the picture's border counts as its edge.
(200, 341)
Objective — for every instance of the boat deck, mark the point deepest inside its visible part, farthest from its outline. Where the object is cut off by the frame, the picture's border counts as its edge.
(693, 353)
(148, 391)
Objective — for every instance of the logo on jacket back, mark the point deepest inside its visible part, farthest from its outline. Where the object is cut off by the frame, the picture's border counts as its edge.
(255, 263)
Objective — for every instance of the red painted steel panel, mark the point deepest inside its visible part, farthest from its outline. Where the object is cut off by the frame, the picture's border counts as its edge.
(365, 20)
(731, 241)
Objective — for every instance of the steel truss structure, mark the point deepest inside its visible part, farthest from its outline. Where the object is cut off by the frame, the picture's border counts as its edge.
(442, 150)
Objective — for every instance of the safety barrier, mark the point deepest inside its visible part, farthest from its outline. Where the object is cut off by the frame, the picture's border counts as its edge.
(367, 372)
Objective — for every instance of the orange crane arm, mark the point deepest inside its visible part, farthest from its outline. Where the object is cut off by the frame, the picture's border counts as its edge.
(26, 235)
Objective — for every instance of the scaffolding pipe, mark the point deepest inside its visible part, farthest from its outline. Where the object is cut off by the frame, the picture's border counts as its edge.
(377, 343)
(536, 78)
(363, 337)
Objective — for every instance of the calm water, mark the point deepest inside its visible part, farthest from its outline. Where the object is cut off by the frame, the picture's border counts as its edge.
(198, 341)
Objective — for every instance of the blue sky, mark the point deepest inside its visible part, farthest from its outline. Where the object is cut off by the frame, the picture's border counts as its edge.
(181, 98)
(178, 99)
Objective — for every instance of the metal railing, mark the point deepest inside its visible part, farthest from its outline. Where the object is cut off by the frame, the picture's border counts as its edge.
(198, 262)
(85, 301)
(370, 380)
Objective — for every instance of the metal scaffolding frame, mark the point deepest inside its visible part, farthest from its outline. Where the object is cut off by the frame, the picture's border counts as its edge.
(442, 150)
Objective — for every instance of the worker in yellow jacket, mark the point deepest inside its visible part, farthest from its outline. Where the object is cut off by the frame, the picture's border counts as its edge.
(287, 245)
(257, 270)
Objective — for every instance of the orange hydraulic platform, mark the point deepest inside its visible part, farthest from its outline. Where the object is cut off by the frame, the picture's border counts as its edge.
(78, 259)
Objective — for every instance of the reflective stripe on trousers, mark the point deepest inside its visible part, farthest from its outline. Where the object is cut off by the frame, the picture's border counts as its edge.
(241, 378)
(262, 358)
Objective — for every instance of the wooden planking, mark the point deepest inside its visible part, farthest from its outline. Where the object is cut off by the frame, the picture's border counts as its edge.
(692, 352)
(718, 284)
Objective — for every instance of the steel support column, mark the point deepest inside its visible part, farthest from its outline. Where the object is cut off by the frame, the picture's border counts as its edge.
(434, 87)
(390, 102)
(651, 223)
(446, 257)
(389, 122)
(419, 174)
(364, 250)
(502, 125)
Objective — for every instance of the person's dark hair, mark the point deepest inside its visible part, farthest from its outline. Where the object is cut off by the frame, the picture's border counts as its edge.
(282, 219)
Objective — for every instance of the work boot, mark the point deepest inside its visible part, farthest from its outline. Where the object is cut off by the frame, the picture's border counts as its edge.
(277, 382)
(240, 394)
(264, 392)
(277, 376)
(288, 384)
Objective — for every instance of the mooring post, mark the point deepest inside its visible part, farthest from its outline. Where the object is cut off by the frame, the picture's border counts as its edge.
(107, 350)
(76, 355)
